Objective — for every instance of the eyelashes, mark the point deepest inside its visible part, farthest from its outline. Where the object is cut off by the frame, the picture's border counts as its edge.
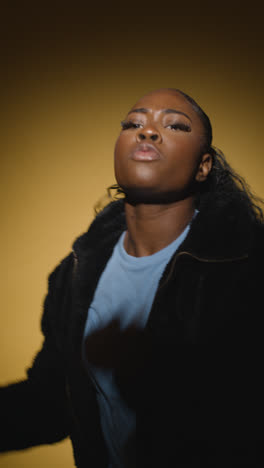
(127, 124)
(180, 126)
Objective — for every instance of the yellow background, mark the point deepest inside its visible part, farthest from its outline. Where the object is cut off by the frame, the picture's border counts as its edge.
(67, 80)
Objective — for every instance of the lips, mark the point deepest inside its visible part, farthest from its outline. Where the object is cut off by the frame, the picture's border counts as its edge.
(145, 152)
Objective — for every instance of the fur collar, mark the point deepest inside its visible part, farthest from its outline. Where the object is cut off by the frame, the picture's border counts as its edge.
(222, 230)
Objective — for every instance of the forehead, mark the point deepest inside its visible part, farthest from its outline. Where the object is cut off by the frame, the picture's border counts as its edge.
(165, 99)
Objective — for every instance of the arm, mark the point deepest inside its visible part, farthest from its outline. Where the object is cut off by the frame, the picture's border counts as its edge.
(34, 411)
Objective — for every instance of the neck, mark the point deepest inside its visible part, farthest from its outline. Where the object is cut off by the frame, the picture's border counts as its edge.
(150, 228)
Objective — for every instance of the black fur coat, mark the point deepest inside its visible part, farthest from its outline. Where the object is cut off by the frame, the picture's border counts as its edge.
(194, 376)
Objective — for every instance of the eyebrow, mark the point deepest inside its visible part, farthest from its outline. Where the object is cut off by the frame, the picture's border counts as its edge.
(166, 111)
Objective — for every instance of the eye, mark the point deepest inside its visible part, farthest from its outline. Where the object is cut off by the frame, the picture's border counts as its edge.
(180, 126)
(126, 124)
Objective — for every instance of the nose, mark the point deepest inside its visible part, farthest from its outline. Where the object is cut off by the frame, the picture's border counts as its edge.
(149, 133)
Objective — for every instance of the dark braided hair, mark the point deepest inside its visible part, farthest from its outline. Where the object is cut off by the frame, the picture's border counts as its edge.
(222, 180)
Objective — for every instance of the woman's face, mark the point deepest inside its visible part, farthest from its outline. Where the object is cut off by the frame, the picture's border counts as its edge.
(158, 152)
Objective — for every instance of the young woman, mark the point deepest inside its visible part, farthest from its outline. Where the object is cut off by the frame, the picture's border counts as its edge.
(153, 323)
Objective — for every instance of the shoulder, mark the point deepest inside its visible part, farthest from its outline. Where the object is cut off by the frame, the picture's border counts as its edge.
(61, 272)
(59, 281)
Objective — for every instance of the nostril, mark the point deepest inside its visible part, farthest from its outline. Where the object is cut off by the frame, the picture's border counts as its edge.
(154, 137)
(141, 136)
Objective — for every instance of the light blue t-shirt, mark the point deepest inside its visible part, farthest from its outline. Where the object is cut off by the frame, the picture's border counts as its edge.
(125, 291)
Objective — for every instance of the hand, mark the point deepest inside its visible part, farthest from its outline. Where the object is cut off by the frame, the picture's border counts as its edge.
(128, 353)
(113, 348)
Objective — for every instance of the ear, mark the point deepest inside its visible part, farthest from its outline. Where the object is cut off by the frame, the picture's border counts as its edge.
(204, 168)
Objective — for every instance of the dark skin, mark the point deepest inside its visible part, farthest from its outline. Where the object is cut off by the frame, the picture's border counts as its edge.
(160, 188)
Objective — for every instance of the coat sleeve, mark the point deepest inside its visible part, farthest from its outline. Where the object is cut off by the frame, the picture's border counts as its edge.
(35, 411)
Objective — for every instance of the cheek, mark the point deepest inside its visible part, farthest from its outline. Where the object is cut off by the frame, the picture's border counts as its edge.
(121, 149)
(184, 154)
(122, 145)
(116, 148)
(120, 168)
(182, 165)
(118, 151)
